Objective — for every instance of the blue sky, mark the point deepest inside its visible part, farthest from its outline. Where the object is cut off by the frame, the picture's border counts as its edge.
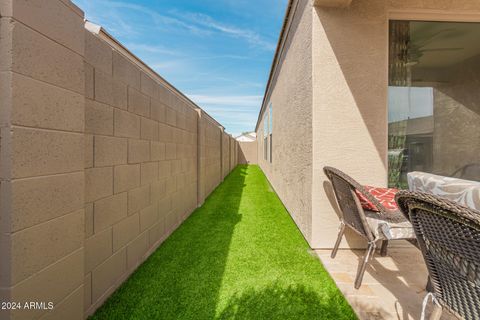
(217, 52)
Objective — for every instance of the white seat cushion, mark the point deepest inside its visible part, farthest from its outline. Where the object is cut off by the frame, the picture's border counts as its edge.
(385, 230)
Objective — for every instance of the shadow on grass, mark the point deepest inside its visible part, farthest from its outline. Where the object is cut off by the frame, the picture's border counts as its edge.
(182, 278)
(296, 302)
(239, 256)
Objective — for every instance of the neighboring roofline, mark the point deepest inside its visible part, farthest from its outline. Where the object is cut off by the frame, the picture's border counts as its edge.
(278, 52)
(104, 35)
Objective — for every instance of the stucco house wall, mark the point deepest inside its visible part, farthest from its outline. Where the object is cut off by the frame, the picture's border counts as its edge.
(328, 89)
(350, 83)
(100, 160)
(290, 172)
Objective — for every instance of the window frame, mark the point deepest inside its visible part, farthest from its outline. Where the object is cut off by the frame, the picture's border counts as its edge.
(265, 136)
(270, 129)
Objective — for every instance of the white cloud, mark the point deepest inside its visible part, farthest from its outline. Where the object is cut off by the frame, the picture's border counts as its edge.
(214, 85)
(196, 23)
(184, 62)
(153, 49)
(237, 113)
(246, 34)
(240, 101)
(110, 9)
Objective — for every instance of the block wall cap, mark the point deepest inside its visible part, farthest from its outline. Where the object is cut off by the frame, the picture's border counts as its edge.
(101, 33)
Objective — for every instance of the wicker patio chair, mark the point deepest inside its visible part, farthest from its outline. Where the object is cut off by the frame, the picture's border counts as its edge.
(448, 235)
(359, 220)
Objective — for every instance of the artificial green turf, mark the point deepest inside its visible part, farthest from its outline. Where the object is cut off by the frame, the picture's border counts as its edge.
(239, 256)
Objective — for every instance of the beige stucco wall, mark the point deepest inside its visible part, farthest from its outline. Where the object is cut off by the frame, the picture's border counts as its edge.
(290, 173)
(100, 160)
(247, 152)
(350, 58)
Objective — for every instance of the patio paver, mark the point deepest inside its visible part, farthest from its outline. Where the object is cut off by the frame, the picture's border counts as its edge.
(393, 286)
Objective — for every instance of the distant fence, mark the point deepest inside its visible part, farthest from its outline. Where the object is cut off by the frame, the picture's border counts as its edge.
(247, 152)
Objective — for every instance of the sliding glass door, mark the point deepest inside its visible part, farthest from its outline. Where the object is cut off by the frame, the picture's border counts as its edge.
(433, 100)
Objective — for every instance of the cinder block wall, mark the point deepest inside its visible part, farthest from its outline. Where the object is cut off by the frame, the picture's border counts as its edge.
(42, 158)
(225, 155)
(247, 152)
(212, 155)
(100, 160)
(140, 165)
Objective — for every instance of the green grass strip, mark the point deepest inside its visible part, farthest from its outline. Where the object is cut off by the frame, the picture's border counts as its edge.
(239, 256)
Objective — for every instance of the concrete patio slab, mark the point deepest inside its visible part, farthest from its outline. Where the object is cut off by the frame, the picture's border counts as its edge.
(393, 286)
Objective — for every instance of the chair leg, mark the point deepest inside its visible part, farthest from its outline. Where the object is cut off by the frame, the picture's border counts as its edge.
(437, 313)
(429, 286)
(383, 249)
(341, 231)
(363, 265)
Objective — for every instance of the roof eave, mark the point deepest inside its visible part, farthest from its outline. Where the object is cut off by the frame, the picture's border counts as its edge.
(283, 36)
(332, 3)
(281, 41)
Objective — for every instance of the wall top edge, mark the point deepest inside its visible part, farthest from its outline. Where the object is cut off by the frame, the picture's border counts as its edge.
(101, 33)
(7, 8)
(74, 7)
(290, 11)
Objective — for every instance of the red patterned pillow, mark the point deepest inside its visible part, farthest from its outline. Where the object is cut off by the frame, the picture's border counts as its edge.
(386, 196)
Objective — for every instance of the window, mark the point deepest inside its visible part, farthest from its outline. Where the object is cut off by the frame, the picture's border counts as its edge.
(270, 125)
(265, 136)
(433, 100)
(265, 148)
